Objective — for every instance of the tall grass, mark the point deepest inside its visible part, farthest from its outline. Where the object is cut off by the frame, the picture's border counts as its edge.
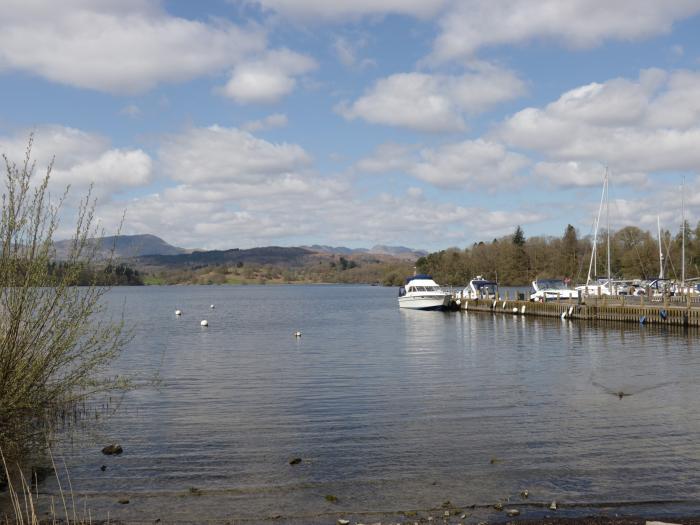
(24, 503)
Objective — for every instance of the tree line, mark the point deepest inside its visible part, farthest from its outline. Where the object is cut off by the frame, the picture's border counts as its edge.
(516, 260)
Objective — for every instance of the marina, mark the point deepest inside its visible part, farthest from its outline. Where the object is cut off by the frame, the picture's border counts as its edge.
(676, 311)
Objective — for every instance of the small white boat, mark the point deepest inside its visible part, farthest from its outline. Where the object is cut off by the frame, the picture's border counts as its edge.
(551, 289)
(422, 293)
(594, 289)
(480, 288)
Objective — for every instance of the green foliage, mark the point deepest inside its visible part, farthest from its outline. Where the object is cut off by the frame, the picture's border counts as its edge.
(54, 339)
(514, 260)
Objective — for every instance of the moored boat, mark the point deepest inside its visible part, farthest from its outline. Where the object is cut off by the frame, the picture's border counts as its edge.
(421, 292)
(480, 288)
(551, 289)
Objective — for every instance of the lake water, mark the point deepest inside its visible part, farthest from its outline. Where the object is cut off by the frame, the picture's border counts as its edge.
(389, 410)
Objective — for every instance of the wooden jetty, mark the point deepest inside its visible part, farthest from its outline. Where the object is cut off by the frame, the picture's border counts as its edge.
(675, 311)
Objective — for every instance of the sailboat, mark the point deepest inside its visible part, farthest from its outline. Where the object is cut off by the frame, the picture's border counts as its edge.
(599, 287)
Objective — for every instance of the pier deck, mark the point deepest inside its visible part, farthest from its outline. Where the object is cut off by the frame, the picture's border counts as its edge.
(676, 311)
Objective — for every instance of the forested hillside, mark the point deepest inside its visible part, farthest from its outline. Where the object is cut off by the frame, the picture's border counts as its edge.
(517, 260)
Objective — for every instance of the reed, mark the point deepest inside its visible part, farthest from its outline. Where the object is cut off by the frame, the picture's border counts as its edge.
(24, 503)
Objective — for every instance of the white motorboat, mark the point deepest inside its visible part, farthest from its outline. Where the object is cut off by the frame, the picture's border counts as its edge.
(420, 292)
(551, 290)
(480, 288)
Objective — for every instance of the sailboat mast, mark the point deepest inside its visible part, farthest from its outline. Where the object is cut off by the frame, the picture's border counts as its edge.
(683, 236)
(607, 213)
(661, 252)
(593, 265)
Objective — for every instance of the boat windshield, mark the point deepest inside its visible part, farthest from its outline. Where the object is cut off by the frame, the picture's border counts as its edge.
(551, 284)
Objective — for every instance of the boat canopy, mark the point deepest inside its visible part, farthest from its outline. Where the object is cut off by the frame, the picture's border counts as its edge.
(422, 276)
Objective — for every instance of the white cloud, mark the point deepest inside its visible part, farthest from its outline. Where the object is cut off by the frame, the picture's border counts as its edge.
(276, 120)
(650, 125)
(388, 157)
(341, 11)
(471, 164)
(81, 159)
(433, 103)
(218, 154)
(479, 163)
(117, 47)
(574, 174)
(225, 188)
(267, 79)
(473, 24)
(348, 49)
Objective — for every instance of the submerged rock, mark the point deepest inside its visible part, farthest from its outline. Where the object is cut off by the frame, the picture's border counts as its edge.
(553, 506)
(343, 522)
(512, 513)
(103, 468)
(498, 506)
(331, 498)
(112, 450)
(124, 501)
(295, 461)
(524, 494)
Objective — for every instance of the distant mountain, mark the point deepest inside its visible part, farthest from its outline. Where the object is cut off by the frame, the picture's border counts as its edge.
(340, 250)
(400, 252)
(125, 246)
(265, 255)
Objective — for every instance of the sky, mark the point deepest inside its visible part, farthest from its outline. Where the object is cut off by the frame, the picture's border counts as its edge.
(423, 123)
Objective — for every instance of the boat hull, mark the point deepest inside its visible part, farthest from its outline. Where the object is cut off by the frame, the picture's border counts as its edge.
(424, 302)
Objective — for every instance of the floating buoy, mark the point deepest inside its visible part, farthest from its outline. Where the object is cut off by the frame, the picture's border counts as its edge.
(522, 310)
(204, 323)
(211, 306)
(178, 312)
(297, 334)
(515, 310)
(563, 315)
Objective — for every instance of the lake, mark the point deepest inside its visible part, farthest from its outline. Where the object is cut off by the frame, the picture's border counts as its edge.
(389, 410)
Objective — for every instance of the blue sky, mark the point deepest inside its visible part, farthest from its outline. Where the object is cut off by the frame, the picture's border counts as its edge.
(425, 123)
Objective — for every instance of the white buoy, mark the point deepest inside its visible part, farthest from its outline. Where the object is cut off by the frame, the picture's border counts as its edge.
(204, 323)
(297, 334)
(211, 306)
(178, 312)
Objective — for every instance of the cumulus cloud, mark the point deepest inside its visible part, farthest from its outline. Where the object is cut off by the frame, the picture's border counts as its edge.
(643, 126)
(478, 163)
(267, 79)
(219, 154)
(223, 187)
(574, 174)
(117, 47)
(276, 120)
(388, 157)
(348, 49)
(341, 11)
(81, 159)
(433, 102)
(473, 24)
(470, 164)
